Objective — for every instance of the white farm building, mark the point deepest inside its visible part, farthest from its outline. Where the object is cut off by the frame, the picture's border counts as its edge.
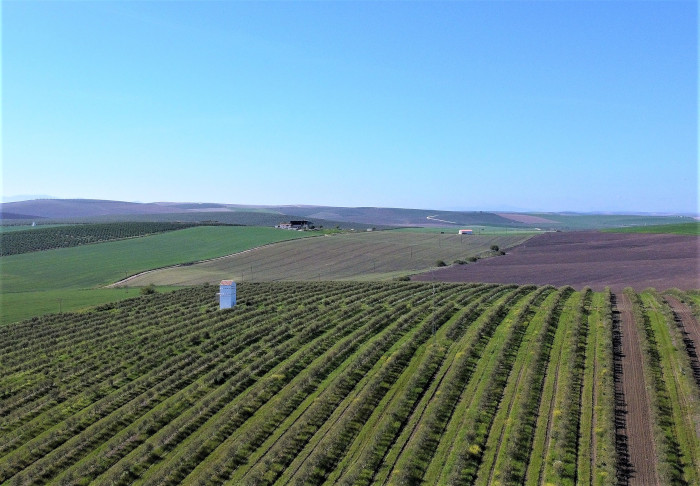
(227, 294)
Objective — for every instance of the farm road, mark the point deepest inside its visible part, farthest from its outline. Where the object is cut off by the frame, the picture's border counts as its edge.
(638, 429)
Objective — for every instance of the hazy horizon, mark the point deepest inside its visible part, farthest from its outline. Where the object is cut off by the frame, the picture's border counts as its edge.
(496, 209)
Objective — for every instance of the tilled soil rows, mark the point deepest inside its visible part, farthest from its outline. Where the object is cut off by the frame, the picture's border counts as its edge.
(589, 258)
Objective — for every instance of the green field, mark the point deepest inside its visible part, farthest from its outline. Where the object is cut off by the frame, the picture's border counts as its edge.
(478, 230)
(74, 274)
(23, 305)
(334, 383)
(96, 265)
(379, 255)
(671, 229)
(31, 284)
(40, 239)
(573, 221)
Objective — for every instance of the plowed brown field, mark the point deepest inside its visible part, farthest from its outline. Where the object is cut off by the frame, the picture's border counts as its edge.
(589, 259)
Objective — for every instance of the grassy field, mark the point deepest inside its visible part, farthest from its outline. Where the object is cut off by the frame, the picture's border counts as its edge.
(36, 283)
(670, 229)
(380, 255)
(23, 305)
(478, 230)
(96, 265)
(331, 382)
(600, 221)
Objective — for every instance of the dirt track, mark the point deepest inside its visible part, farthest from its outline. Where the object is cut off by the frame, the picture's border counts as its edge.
(589, 259)
(638, 420)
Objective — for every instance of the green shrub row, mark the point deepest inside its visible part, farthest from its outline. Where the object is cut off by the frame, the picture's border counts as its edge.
(157, 386)
(519, 444)
(419, 452)
(478, 427)
(329, 451)
(240, 374)
(238, 446)
(361, 463)
(230, 405)
(561, 466)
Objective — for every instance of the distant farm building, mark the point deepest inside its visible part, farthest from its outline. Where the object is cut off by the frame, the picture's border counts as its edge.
(227, 294)
(465, 232)
(294, 225)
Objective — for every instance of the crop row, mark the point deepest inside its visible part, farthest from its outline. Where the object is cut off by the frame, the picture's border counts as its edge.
(225, 406)
(38, 239)
(404, 398)
(674, 398)
(338, 383)
(172, 371)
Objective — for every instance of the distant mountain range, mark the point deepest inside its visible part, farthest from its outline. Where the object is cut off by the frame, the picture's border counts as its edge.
(25, 197)
(76, 208)
(94, 210)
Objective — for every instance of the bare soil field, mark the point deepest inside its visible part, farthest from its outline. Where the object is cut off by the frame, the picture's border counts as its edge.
(591, 259)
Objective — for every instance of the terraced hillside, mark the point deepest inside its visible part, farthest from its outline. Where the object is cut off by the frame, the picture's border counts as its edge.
(343, 383)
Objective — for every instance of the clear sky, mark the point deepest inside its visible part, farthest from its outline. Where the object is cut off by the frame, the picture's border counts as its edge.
(564, 105)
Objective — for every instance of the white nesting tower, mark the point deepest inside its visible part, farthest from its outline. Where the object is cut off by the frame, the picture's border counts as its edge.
(227, 294)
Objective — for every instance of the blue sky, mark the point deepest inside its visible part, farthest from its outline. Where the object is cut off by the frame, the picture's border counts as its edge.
(571, 105)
